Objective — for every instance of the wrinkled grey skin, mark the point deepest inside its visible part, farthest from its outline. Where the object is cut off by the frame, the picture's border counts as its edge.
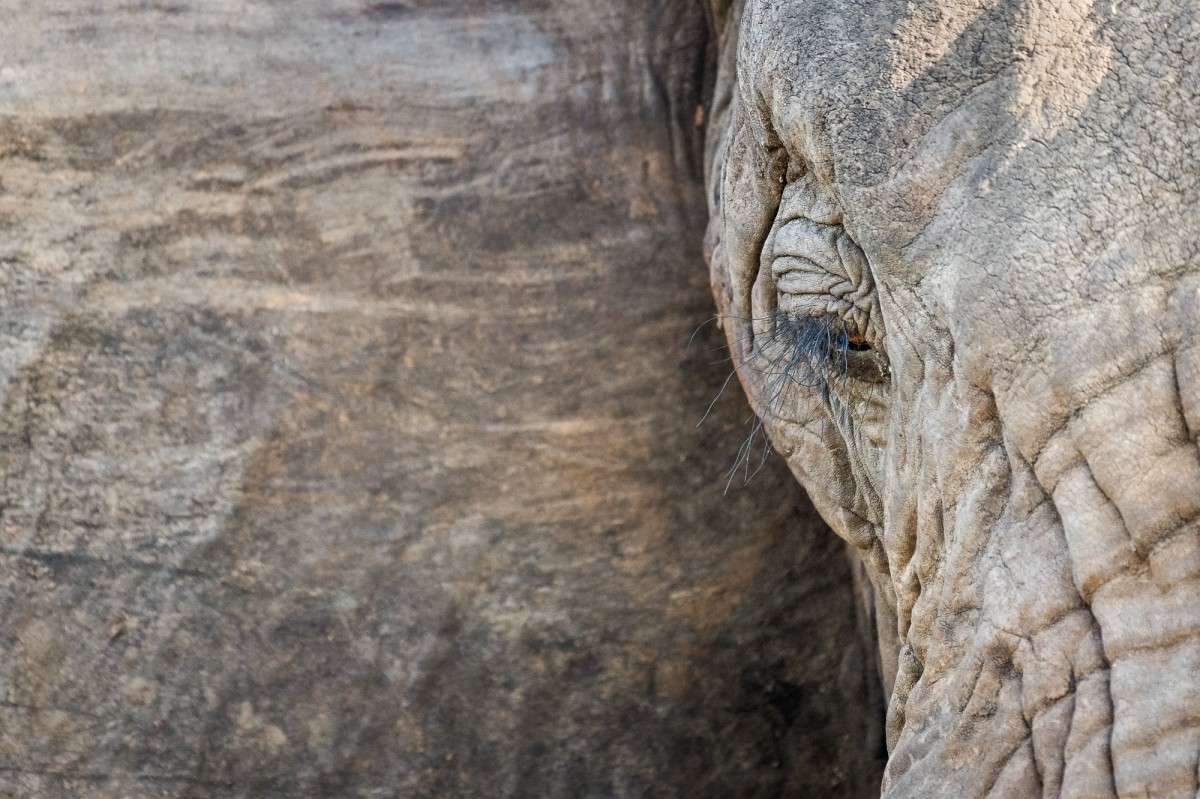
(1000, 200)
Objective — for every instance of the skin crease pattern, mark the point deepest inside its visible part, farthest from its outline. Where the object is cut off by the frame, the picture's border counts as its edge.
(993, 204)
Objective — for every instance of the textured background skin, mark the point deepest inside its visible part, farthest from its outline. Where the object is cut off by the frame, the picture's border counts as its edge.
(348, 438)
(1021, 177)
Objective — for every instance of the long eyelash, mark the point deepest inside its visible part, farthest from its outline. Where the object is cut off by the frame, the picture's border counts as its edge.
(814, 349)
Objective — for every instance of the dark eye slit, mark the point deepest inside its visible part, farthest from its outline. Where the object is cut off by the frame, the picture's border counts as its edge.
(857, 345)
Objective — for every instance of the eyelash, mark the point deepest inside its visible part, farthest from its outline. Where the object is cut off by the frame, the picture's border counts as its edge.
(818, 349)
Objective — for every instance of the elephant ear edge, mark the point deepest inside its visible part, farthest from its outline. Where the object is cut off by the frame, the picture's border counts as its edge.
(725, 22)
(724, 25)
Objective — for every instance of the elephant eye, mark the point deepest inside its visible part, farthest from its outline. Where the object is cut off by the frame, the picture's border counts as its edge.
(856, 343)
(821, 291)
(856, 359)
(818, 349)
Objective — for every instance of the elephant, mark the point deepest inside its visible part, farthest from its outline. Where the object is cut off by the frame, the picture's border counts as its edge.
(348, 423)
(954, 250)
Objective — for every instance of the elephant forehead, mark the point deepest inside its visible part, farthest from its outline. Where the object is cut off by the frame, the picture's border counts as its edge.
(896, 102)
(868, 80)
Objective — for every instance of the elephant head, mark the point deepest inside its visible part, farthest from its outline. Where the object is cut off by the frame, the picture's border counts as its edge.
(954, 248)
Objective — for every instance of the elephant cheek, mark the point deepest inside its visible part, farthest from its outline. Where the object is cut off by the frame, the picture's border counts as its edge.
(1000, 660)
(1113, 442)
(1046, 595)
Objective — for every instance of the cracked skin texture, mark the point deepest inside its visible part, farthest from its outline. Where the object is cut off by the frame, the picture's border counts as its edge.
(1021, 178)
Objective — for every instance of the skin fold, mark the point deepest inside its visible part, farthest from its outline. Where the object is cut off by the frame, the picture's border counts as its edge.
(990, 210)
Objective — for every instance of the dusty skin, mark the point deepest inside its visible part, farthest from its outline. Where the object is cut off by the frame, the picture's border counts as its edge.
(996, 203)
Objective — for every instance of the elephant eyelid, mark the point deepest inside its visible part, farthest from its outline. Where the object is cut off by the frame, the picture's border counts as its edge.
(816, 348)
(801, 216)
(810, 345)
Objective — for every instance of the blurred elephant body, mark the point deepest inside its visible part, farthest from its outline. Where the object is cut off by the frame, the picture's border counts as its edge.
(987, 212)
